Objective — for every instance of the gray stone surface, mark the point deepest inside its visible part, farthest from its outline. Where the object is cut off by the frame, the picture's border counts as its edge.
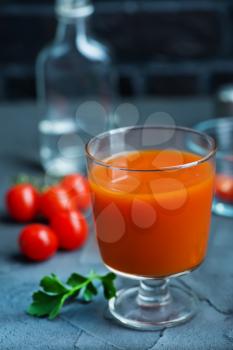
(87, 327)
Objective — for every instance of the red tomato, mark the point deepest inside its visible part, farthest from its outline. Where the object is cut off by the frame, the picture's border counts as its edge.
(23, 202)
(78, 187)
(38, 242)
(224, 187)
(71, 229)
(56, 199)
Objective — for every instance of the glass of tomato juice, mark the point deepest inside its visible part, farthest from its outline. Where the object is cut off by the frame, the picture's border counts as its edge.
(152, 201)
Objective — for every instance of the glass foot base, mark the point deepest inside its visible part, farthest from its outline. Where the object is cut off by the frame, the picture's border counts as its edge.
(143, 313)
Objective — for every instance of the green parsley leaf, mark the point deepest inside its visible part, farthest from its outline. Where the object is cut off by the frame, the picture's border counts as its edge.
(43, 304)
(108, 285)
(89, 292)
(57, 308)
(75, 279)
(52, 284)
(49, 300)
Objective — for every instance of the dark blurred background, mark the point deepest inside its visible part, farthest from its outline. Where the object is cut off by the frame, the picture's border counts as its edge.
(163, 48)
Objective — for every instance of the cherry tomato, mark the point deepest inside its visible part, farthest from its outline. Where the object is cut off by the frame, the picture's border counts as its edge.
(23, 202)
(38, 242)
(78, 187)
(71, 229)
(224, 187)
(56, 199)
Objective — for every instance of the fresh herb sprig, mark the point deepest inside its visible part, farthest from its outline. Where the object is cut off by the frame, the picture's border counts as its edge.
(49, 300)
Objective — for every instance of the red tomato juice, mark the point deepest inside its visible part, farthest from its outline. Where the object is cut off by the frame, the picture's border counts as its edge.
(152, 223)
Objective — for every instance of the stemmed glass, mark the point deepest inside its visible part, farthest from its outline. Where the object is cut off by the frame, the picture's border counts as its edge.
(152, 198)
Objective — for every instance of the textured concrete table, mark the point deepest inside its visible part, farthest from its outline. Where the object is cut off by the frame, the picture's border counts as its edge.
(90, 327)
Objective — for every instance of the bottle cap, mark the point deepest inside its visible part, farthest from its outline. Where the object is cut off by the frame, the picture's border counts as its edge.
(74, 8)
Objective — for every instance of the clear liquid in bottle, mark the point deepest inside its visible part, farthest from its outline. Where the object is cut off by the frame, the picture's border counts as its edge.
(62, 147)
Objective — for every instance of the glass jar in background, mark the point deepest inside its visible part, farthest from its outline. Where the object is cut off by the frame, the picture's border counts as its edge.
(75, 87)
(221, 130)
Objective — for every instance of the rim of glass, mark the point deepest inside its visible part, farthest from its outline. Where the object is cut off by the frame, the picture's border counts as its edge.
(209, 139)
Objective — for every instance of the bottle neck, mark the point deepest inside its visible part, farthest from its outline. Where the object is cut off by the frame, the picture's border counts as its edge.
(76, 33)
(71, 29)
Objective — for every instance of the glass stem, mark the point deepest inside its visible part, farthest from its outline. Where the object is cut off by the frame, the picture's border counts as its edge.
(153, 292)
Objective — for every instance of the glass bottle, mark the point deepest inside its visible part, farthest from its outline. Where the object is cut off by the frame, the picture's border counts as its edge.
(75, 85)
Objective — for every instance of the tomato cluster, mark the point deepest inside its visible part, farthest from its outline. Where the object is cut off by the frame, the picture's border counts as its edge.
(61, 205)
